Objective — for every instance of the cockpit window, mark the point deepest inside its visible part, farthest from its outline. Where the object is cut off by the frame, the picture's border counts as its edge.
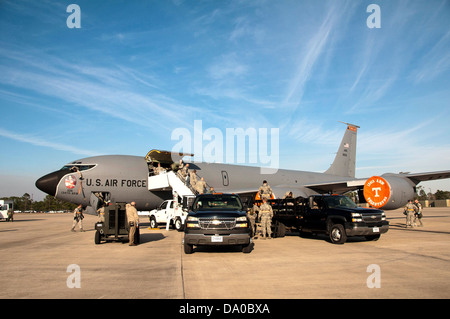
(77, 167)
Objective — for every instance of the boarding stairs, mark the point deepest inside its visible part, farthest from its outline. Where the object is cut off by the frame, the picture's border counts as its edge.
(171, 181)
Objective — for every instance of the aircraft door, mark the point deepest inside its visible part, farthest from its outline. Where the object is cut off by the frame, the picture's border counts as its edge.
(225, 180)
(96, 200)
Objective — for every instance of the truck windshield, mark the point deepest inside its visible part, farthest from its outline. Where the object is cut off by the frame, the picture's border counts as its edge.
(215, 202)
(339, 201)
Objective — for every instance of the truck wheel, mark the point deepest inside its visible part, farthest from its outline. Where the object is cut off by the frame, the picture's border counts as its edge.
(337, 234)
(188, 249)
(97, 237)
(178, 224)
(247, 248)
(281, 230)
(153, 223)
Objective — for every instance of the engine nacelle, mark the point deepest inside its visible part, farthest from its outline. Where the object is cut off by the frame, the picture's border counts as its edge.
(388, 192)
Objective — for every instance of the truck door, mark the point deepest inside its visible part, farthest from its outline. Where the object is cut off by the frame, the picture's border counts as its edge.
(316, 217)
(162, 213)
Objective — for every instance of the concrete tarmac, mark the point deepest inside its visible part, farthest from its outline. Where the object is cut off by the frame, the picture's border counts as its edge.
(37, 251)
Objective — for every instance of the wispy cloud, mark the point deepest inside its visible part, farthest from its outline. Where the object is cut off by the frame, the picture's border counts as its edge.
(308, 59)
(113, 91)
(227, 66)
(435, 62)
(39, 141)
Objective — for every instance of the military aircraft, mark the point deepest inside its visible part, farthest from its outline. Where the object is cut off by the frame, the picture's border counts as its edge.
(121, 178)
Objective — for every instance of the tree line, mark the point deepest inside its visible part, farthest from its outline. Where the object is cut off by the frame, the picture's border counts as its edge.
(423, 195)
(49, 203)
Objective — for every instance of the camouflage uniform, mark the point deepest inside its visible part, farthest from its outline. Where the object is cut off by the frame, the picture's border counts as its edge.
(133, 222)
(77, 218)
(200, 186)
(158, 170)
(101, 214)
(251, 214)
(193, 180)
(265, 191)
(265, 216)
(418, 215)
(410, 210)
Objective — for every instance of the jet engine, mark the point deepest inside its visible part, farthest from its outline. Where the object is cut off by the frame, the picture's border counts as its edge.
(389, 191)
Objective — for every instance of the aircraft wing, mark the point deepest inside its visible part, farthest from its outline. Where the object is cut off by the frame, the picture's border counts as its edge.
(429, 176)
(337, 187)
(354, 184)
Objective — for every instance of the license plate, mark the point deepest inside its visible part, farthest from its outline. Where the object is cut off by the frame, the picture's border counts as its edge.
(216, 239)
(376, 230)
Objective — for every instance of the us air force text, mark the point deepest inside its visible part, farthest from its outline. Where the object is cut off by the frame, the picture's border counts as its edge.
(116, 183)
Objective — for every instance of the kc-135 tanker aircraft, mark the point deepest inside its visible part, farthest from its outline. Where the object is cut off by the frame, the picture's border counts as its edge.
(121, 178)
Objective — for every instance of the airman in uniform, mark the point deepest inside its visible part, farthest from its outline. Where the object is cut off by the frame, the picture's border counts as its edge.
(418, 215)
(265, 191)
(251, 214)
(410, 210)
(158, 170)
(200, 186)
(265, 216)
(193, 178)
(10, 215)
(133, 222)
(78, 218)
(101, 213)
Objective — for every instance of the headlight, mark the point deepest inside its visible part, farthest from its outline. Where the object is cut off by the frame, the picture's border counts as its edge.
(241, 219)
(356, 220)
(192, 222)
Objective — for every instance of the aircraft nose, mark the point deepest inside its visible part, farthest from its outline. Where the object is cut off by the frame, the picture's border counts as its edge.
(49, 182)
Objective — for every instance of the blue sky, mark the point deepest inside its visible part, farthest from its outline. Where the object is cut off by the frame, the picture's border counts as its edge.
(137, 70)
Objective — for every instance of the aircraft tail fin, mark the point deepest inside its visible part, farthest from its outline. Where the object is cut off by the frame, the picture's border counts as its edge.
(344, 162)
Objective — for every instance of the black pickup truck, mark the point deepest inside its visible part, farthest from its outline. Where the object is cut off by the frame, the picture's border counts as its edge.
(335, 215)
(217, 219)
